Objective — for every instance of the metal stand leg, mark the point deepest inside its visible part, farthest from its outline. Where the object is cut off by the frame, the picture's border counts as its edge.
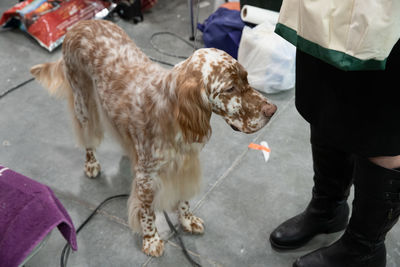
(190, 2)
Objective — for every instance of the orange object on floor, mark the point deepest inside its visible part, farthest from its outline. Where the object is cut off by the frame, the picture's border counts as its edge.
(259, 147)
(232, 5)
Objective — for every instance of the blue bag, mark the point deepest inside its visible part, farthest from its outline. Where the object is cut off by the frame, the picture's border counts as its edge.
(223, 30)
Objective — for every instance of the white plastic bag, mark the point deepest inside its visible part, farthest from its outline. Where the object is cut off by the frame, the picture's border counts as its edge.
(268, 58)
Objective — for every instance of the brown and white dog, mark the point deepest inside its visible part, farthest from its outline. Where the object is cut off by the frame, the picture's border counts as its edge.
(160, 116)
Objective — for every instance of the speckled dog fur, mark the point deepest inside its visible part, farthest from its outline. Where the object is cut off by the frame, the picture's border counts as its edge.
(160, 116)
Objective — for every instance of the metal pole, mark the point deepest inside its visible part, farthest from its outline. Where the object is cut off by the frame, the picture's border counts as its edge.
(190, 2)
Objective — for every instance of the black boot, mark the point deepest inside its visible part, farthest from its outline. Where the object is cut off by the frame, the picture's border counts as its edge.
(376, 209)
(328, 210)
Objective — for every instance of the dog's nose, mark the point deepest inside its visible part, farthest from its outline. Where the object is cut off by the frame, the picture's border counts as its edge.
(268, 109)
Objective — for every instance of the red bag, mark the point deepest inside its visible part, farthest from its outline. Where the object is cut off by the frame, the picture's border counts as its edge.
(147, 4)
(48, 20)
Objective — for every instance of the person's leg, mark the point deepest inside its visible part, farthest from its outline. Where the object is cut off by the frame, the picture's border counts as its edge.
(376, 209)
(328, 210)
(387, 162)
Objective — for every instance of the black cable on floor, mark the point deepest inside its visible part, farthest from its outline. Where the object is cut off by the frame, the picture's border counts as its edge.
(182, 245)
(67, 248)
(155, 47)
(162, 62)
(15, 88)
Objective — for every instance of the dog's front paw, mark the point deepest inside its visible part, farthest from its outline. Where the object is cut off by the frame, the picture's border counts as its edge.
(192, 224)
(92, 168)
(153, 246)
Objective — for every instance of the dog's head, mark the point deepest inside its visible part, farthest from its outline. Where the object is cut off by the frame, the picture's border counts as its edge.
(222, 87)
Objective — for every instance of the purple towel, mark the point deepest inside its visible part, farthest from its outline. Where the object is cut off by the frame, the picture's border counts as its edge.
(28, 212)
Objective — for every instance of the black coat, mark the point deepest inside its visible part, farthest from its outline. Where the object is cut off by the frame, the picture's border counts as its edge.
(358, 110)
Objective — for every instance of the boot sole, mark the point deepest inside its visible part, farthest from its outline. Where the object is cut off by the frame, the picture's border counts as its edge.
(332, 230)
(278, 247)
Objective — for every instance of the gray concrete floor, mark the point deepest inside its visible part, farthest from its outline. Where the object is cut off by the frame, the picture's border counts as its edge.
(242, 201)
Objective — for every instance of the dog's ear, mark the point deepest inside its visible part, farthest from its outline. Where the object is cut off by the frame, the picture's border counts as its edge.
(193, 111)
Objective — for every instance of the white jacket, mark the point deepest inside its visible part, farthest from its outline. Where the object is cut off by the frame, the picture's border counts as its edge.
(349, 34)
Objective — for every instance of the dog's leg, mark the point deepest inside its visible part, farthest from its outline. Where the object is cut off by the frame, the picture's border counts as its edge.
(141, 213)
(153, 245)
(92, 166)
(85, 116)
(189, 222)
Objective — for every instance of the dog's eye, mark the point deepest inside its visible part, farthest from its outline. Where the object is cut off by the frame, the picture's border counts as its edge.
(230, 90)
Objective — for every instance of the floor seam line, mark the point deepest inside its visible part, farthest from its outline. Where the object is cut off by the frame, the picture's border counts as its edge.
(193, 253)
(147, 261)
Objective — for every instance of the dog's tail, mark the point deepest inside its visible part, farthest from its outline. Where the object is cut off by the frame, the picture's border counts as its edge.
(52, 77)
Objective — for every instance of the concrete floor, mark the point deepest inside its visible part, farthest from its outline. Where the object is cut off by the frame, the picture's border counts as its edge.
(243, 198)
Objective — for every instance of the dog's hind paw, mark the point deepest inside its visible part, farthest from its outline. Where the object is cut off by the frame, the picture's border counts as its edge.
(92, 169)
(192, 224)
(92, 166)
(153, 246)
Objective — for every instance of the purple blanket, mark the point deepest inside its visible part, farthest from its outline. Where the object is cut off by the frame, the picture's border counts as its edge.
(28, 212)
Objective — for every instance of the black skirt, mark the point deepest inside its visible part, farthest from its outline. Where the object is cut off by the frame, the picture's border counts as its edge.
(358, 111)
